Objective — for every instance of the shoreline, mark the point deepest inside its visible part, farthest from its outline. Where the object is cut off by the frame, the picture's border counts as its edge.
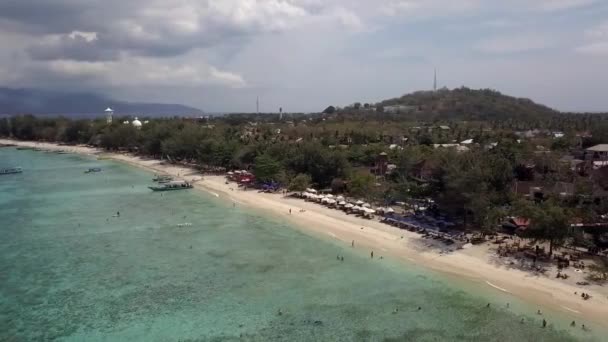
(472, 264)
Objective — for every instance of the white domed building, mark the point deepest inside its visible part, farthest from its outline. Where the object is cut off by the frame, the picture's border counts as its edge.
(136, 123)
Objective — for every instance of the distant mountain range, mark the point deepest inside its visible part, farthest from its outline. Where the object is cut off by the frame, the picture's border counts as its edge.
(45, 102)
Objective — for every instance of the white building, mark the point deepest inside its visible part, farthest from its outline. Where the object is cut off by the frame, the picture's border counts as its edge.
(109, 115)
(399, 109)
(136, 123)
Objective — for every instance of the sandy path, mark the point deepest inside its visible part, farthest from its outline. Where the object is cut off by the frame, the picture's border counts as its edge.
(384, 240)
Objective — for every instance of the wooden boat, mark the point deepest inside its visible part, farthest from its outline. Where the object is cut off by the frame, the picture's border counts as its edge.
(10, 170)
(93, 169)
(163, 178)
(170, 186)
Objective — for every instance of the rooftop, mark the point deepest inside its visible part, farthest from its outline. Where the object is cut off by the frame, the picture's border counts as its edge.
(599, 148)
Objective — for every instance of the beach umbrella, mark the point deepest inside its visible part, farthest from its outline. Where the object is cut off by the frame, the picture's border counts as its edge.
(324, 200)
(348, 206)
(331, 201)
(357, 208)
(340, 198)
(359, 202)
(342, 203)
(329, 196)
(371, 211)
(390, 210)
(312, 190)
(230, 173)
(366, 205)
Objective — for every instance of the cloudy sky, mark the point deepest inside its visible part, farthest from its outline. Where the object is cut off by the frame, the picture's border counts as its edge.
(303, 55)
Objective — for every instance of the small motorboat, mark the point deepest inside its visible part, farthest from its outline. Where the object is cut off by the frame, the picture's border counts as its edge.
(10, 170)
(93, 170)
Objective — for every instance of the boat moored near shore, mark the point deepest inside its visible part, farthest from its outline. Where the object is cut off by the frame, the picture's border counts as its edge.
(172, 185)
(93, 170)
(162, 179)
(10, 170)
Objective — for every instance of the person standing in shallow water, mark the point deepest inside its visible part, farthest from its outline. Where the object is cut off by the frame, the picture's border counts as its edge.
(544, 323)
(372, 255)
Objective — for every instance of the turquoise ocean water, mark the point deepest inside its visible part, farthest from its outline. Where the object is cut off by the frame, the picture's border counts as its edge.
(71, 271)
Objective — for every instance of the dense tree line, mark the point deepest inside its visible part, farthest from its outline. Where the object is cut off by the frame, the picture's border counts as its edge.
(340, 151)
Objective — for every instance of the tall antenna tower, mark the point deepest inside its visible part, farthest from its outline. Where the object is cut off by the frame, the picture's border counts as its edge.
(257, 105)
(435, 81)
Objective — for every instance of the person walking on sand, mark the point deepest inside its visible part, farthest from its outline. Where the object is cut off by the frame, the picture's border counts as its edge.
(544, 323)
(573, 324)
(289, 211)
(372, 254)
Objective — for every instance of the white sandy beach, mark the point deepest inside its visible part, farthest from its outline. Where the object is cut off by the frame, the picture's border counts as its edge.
(474, 263)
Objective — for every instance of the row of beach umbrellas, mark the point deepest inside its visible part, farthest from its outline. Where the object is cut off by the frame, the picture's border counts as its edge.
(340, 201)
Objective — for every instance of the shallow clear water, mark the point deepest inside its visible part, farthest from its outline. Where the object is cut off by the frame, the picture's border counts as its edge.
(71, 271)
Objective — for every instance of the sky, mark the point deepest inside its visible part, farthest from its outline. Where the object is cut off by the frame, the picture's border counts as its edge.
(303, 55)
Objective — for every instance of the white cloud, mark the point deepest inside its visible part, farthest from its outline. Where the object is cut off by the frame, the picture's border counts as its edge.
(598, 32)
(559, 5)
(599, 48)
(417, 9)
(500, 23)
(137, 71)
(596, 40)
(515, 43)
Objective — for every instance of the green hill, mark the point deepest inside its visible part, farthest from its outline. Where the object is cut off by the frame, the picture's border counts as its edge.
(467, 104)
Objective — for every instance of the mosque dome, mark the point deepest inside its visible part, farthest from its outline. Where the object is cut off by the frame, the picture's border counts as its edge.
(136, 123)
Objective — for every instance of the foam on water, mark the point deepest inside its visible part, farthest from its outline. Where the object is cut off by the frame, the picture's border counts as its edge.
(69, 270)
